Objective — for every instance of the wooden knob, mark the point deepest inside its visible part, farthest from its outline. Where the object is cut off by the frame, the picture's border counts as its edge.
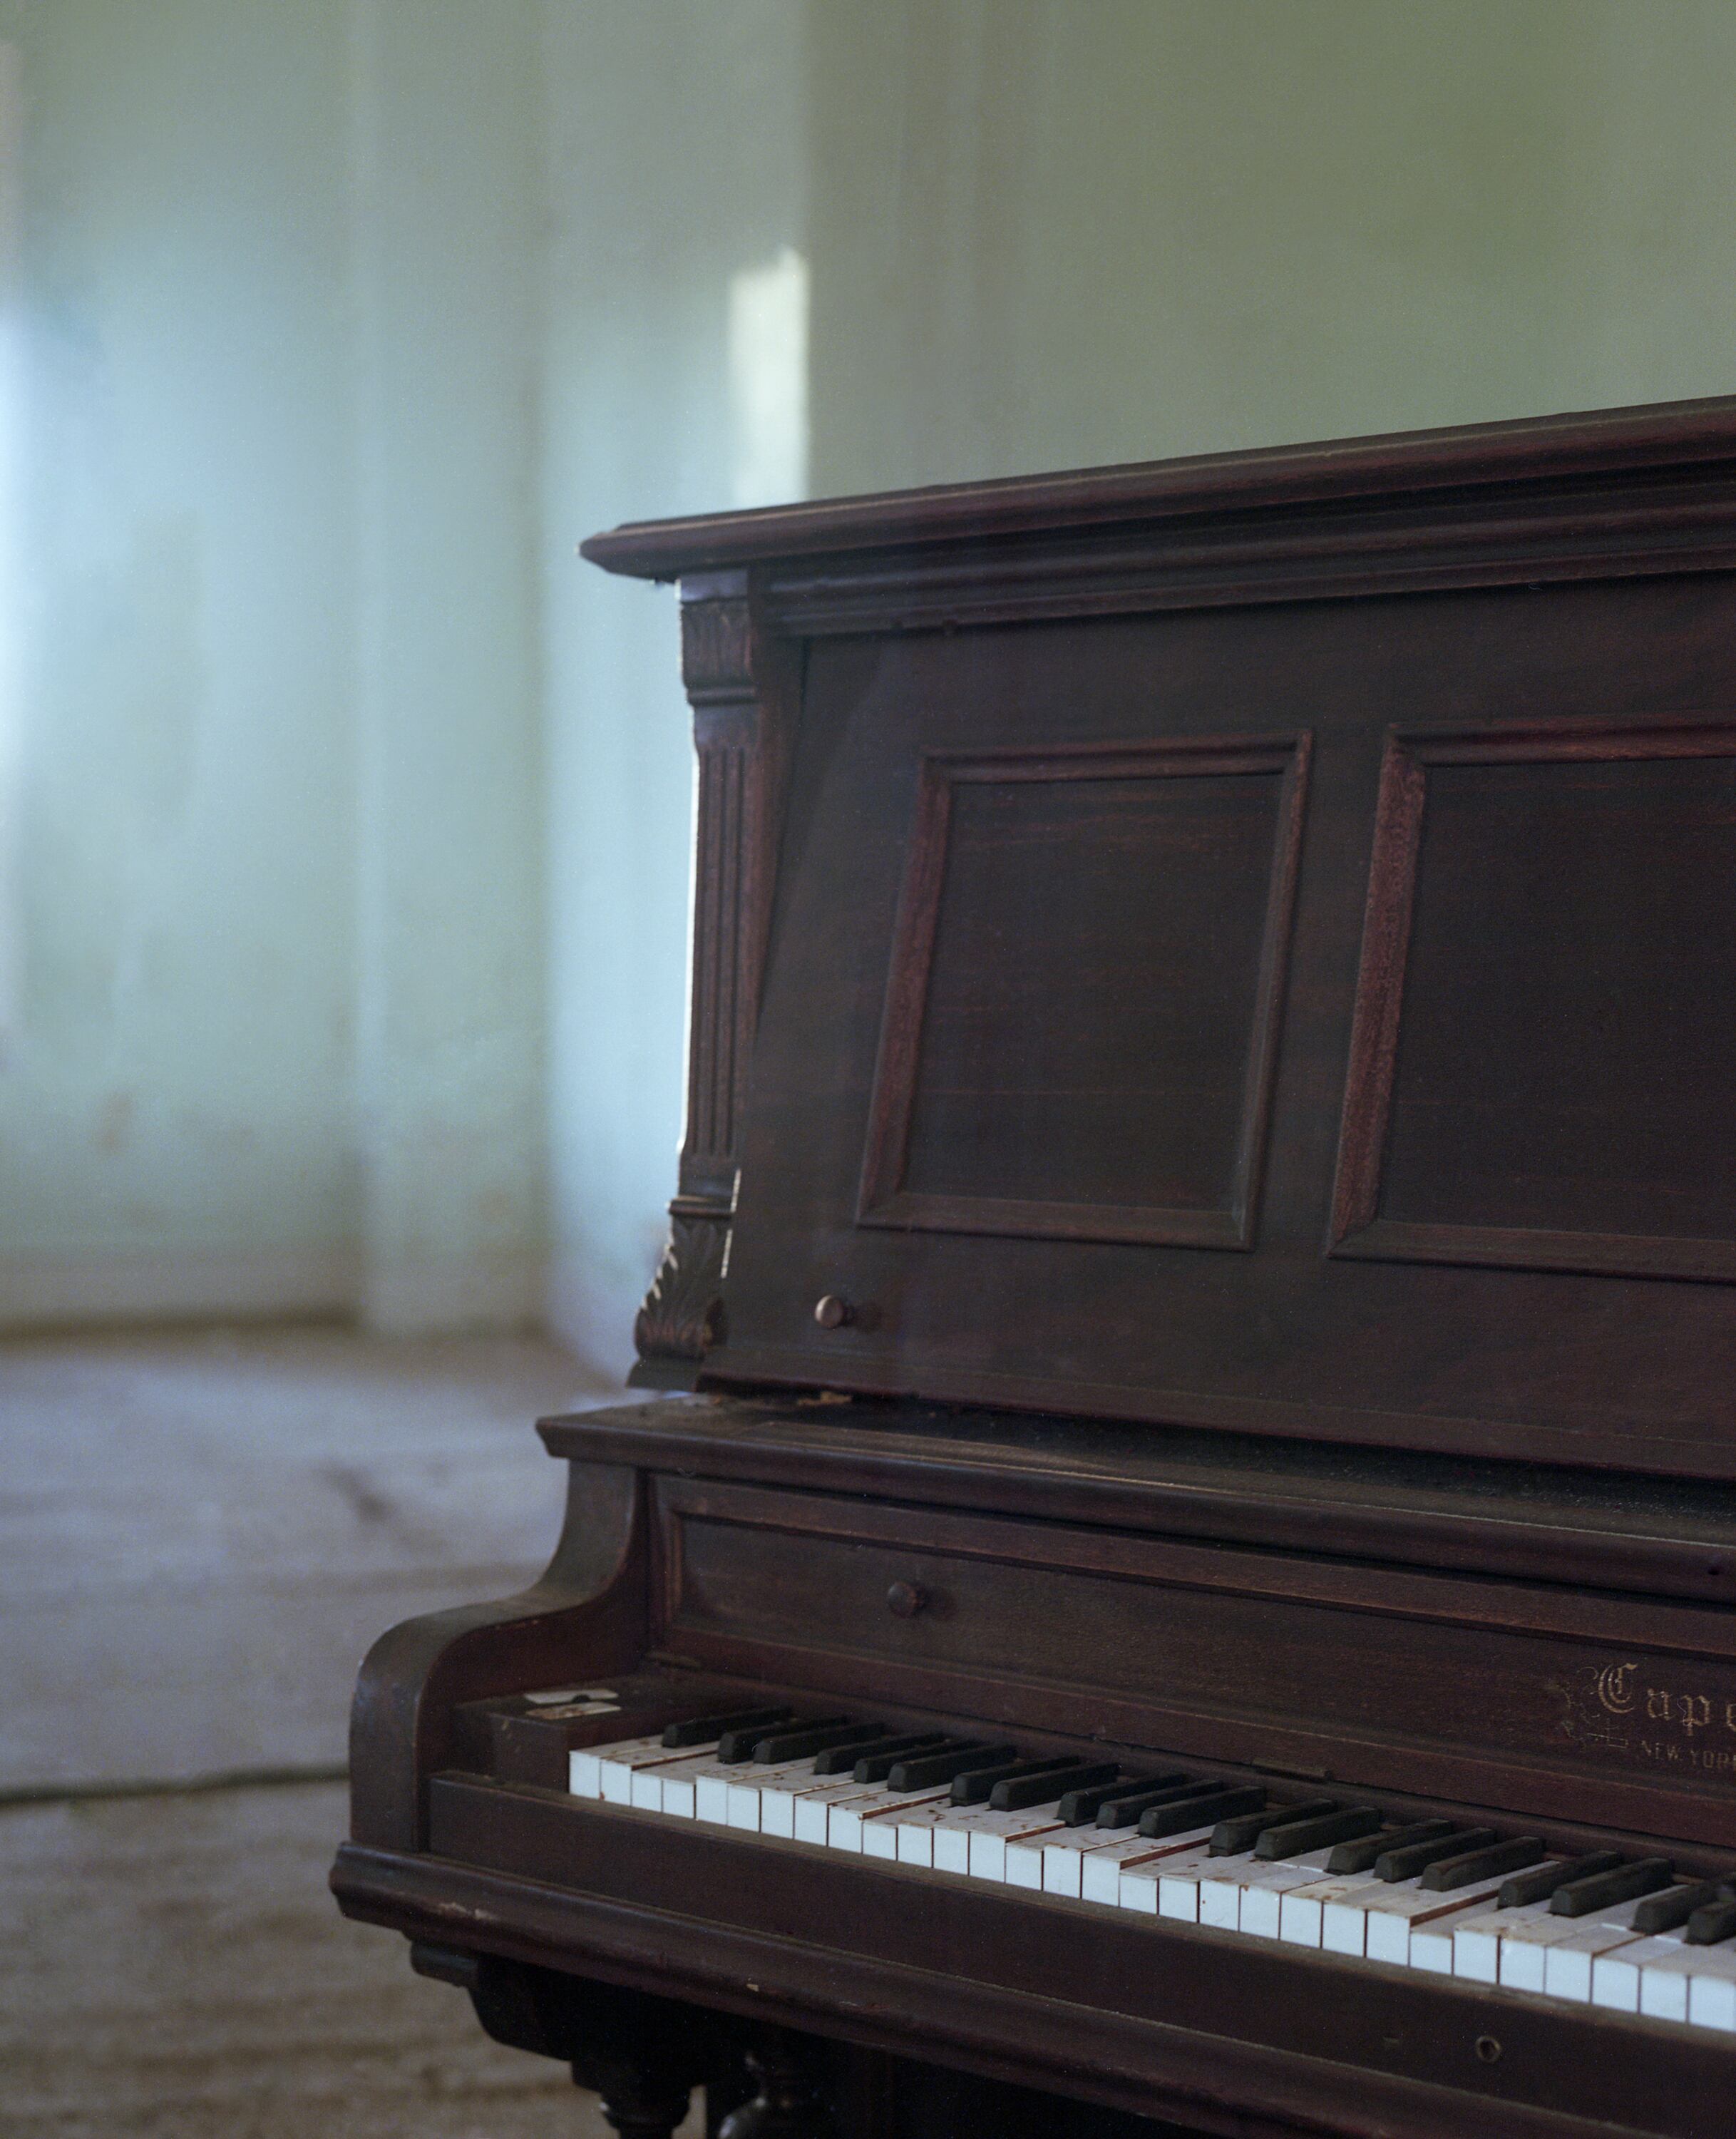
(832, 1311)
(905, 1599)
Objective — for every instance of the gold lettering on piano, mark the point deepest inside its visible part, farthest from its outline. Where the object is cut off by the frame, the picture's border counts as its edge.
(1613, 1711)
(1615, 1687)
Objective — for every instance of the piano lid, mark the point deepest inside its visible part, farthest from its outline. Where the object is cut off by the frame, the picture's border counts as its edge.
(1254, 944)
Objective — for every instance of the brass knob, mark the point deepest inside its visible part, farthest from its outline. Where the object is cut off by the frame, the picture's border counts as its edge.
(905, 1599)
(832, 1311)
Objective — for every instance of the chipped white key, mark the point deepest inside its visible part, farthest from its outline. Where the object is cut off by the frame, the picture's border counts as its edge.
(1172, 1887)
(1377, 1920)
(1090, 1871)
(915, 1832)
(783, 1791)
(712, 1785)
(991, 1833)
(851, 1821)
(1413, 1912)
(1527, 1935)
(1245, 1895)
(880, 1828)
(584, 1767)
(1568, 1963)
(1302, 1912)
(654, 1788)
(1615, 1975)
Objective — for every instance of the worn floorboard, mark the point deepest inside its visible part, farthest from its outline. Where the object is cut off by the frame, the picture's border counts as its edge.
(173, 1969)
(199, 1535)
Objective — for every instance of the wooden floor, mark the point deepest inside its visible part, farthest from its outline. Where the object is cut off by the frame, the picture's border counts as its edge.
(199, 1535)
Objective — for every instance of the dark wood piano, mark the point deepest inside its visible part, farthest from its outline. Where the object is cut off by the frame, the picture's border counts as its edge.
(1176, 1557)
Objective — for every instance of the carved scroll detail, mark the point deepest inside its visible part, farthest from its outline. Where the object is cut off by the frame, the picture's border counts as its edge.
(682, 1316)
(738, 681)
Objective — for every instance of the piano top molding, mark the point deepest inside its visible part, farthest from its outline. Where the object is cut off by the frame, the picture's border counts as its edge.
(1626, 491)
(1595, 1530)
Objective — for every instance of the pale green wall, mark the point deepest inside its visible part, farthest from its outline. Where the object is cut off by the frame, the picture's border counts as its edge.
(675, 142)
(1057, 233)
(355, 811)
(173, 1109)
(278, 865)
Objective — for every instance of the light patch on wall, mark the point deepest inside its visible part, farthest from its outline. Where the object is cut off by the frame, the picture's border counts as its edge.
(768, 375)
(12, 590)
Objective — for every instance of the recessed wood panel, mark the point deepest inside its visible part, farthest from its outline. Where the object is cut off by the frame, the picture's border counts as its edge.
(1085, 983)
(1544, 1058)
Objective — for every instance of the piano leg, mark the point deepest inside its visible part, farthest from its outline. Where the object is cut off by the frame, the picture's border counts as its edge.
(642, 2054)
(639, 2102)
(789, 2104)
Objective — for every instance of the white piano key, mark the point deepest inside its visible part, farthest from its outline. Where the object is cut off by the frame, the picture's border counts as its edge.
(1712, 1990)
(1411, 1907)
(652, 1786)
(990, 1831)
(1695, 1983)
(1526, 1938)
(617, 1769)
(1567, 1963)
(1254, 1890)
(1170, 1888)
(880, 1830)
(1615, 1975)
(782, 1790)
(1664, 1989)
(812, 1807)
(1477, 1946)
(851, 1820)
(584, 1767)
(1462, 1944)
(1098, 1868)
(915, 1834)
(1302, 1912)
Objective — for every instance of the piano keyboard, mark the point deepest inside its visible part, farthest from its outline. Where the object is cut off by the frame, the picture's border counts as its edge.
(1624, 1933)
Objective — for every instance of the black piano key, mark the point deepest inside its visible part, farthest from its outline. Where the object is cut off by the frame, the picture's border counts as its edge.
(708, 1730)
(876, 1767)
(1409, 1860)
(1181, 1813)
(814, 1737)
(1604, 1890)
(1080, 1806)
(977, 1785)
(1235, 1838)
(1017, 1796)
(922, 1770)
(1118, 1811)
(1537, 1886)
(736, 1746)
(1712, 1925)
(1295, 1837)
(1669, 1909)
(1447, 1874)
(841, 1759)
(1361, 1856)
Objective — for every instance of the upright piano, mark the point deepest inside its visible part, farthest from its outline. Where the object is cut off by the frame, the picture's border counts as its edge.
(1170, 1562)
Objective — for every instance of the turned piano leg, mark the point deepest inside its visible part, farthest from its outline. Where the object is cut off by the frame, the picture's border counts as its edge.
(640, 2101)
(788, 2104)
